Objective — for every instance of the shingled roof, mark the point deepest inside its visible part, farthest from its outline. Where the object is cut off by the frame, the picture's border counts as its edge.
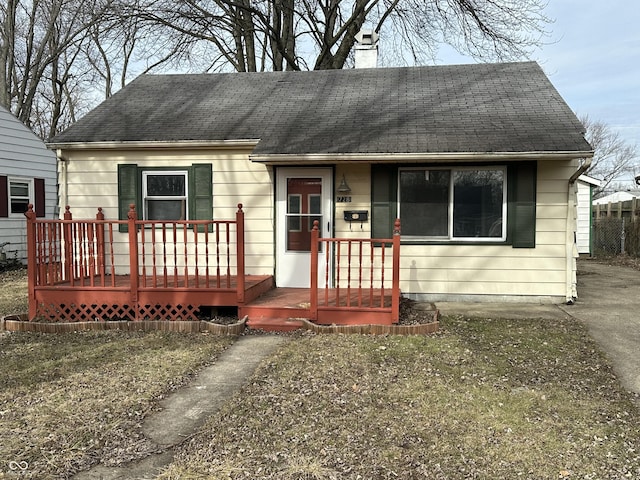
(483, 108)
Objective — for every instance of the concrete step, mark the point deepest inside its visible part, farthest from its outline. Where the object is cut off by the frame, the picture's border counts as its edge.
(275, 324)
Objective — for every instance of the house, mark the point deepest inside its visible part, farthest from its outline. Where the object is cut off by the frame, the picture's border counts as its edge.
(27, 176)
(584, 215)
(479, 163)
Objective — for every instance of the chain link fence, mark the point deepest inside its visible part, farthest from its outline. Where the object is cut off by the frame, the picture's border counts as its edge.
(616, 236)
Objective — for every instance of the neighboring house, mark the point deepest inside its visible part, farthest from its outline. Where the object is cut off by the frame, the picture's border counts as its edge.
(478, 161)
(584, 216)
(27, 175)
(617, 197)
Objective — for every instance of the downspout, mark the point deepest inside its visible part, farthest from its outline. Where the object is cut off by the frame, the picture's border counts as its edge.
(570, 240)
(62, 182)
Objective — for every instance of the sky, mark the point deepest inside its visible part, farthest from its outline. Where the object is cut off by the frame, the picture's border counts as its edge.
(592, 57)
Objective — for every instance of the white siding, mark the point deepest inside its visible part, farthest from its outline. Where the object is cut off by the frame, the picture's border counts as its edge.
(583, 219)
(89, 180)
(23, 155)
(429, 271)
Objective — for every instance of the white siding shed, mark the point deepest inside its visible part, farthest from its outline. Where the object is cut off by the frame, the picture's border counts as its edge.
(584, 194)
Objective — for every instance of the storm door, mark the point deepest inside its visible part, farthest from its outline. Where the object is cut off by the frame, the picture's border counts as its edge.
(303, 196)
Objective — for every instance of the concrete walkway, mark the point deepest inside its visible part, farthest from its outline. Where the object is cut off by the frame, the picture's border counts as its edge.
(188, 408)
(608, 304)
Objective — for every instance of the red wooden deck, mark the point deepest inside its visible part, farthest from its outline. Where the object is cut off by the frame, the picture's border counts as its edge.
(176, 268)
(281, 308)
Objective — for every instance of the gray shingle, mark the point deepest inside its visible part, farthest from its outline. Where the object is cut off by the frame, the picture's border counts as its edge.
(509, 107)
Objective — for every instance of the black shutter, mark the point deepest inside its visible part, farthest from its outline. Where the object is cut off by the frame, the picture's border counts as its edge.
(384, 200)
(38, 184)
(201, 192)
(4, 197)
(521, 194)
(128, 191)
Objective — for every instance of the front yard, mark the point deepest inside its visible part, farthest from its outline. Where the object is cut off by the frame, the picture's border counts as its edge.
(481, 399)
(484, 399)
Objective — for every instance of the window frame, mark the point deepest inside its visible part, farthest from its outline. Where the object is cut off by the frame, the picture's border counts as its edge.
(145, 173)
(450, 238)
(30, 196)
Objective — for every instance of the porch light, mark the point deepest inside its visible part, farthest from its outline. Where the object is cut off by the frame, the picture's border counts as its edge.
(344, 186)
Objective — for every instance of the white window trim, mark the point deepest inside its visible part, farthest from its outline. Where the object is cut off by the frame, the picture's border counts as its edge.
(145, 197)
(450, 237)
(31, 199)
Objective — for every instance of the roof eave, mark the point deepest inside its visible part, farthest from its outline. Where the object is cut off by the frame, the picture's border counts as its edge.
(317, 158)
(139, 145)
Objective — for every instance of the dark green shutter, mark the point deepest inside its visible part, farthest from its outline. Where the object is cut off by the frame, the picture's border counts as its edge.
(128, 186)
(384, 200)
(201, 192)
(521, 194)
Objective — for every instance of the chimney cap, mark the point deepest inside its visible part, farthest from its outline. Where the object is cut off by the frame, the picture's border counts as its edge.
(367, 37)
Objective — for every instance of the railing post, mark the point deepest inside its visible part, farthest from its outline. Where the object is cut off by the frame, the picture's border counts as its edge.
(67, 232)
(31, 260)
(100, 242)
(395, 289)
(240, 253)
(313, 301)
(133, 258)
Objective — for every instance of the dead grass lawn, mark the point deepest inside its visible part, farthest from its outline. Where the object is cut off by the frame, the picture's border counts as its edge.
(484, 399)
(70, 400)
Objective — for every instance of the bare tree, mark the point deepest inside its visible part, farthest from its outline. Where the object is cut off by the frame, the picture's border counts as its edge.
(39, 44)
(252, 35)
(615, 161)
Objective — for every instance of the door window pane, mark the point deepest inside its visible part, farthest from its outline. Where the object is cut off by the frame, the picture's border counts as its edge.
(294, 205)
(315, 205)
(304, 205)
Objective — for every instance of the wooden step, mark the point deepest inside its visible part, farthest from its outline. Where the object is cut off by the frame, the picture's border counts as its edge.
(275, 324)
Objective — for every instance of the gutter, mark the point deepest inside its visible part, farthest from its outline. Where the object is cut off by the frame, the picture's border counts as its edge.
(333, 158)
(583, 168)
(571, 288)
(114, 145)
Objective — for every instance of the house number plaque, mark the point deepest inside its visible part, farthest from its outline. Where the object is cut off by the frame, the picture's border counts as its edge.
(346, 199)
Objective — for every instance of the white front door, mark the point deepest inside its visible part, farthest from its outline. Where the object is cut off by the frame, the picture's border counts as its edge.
(302, 196)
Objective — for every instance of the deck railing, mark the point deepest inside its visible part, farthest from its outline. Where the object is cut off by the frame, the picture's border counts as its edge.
(360, 266)
(93, 255)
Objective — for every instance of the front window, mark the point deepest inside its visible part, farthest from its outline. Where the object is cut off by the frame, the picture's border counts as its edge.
(19, 196)
(453, 204)
(165, 195)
